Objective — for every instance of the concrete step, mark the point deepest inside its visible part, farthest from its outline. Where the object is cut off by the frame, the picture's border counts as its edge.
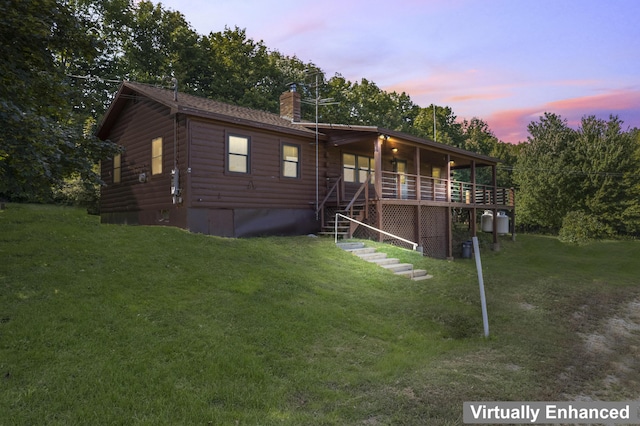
(350, 245)
(372, 256)
(398, 267)
(385, 261)
(422, 277)
(363, 250)
(415, 275)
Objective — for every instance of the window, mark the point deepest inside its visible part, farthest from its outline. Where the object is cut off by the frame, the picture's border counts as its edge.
(290, 161)
(436, 172)
(156, 156)
(117, 168)
(357, 167)
(238, 154)
(349, 167)
(401, 169)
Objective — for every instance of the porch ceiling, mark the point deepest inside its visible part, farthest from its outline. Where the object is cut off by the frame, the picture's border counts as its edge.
(362, 137)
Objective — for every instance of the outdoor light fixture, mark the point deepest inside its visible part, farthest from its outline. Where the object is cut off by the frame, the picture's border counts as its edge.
(394, 161)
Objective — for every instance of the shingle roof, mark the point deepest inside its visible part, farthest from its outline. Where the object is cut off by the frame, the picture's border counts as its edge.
(203, 107)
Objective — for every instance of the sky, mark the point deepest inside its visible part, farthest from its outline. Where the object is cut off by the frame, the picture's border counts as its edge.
(503, 61)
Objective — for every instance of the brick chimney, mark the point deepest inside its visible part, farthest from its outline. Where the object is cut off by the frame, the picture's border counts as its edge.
(290, 105)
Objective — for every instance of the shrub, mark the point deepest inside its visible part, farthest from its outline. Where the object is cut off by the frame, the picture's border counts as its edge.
(579, 227)
(78, 193)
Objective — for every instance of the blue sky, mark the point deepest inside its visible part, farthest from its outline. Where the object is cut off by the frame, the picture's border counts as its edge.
(504, 61)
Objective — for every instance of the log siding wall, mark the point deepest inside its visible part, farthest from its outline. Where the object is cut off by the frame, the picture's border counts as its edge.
(264, 186)
(132, 200)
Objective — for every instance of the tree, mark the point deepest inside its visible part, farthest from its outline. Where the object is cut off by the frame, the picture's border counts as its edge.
(41, 142)
(589, 173)
(547, 186)
(364, 103)
(631, 179)
(447, 129)
(605, 155)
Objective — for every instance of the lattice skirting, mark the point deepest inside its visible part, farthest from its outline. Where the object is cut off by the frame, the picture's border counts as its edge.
(364, 232)
(402, 221)
(434, 238)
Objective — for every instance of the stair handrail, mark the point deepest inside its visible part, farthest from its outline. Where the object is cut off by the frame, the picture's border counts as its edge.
(365, 185)
(415, 245)
(320, 207)
(333, 188)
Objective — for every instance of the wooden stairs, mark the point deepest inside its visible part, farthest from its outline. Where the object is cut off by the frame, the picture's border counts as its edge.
(346, 227)
(370, 254)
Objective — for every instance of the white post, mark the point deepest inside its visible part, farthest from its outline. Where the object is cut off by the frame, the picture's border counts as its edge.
(483, 300)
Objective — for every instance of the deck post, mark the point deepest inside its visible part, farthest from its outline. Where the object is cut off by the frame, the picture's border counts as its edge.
(418, 171)
(377, 159)
(513, 215)
(472, 221)
(449, 210)
(494, 182)
(473, 182)
(418, 229)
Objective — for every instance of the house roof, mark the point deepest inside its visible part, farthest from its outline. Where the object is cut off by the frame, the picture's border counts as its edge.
(337, 134)
(199, 107)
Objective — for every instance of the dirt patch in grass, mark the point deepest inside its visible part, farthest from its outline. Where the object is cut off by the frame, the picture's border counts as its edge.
(609, 358)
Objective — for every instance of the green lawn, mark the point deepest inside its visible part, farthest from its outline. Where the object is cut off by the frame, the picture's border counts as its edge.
(103, 324)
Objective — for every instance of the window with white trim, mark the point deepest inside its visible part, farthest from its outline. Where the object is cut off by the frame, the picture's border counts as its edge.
(290, 161)
(238, 151)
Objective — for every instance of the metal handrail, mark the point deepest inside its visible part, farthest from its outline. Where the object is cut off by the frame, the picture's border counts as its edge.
(415, 245)
(363, 187)
(336, 188)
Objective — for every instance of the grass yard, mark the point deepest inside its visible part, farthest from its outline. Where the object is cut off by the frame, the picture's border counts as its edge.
(104, 325)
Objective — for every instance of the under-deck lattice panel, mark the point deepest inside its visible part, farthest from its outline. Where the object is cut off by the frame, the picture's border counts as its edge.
(434, 231)
(400, 221)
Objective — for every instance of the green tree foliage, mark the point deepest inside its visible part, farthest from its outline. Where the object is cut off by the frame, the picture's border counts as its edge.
(447, 130)
(588, 172)
(42, 142)
(364, 103)
(631, 179)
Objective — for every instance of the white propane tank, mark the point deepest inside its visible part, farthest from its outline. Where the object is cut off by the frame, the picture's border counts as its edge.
(502, 223)
(486, 222)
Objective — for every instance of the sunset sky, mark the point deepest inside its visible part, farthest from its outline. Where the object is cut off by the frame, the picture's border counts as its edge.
(504, 61)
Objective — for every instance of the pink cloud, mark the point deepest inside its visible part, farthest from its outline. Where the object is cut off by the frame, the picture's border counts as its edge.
(511, 125)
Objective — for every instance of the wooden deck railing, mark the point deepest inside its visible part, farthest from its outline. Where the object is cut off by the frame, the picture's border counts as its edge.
(402, 186)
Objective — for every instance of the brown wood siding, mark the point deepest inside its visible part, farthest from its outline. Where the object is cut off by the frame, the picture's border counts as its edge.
(140, 122)
(264, 186)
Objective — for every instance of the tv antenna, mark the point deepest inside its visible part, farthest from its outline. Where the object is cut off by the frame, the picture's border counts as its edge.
(317, 102)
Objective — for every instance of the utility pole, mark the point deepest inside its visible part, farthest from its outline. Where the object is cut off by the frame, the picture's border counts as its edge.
(435, 136)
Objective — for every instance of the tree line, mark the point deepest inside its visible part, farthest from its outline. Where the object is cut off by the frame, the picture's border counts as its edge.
(63, 60)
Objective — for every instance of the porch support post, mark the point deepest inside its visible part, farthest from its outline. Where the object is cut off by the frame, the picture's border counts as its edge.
(448, 171)
(377, 159)
(472, 213)
(418, 198)
(473, 181)
(449, 211)
(513, 214)
(418, 183)
(494, 182)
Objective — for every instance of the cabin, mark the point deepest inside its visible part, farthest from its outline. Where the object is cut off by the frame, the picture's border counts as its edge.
(220, 169)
